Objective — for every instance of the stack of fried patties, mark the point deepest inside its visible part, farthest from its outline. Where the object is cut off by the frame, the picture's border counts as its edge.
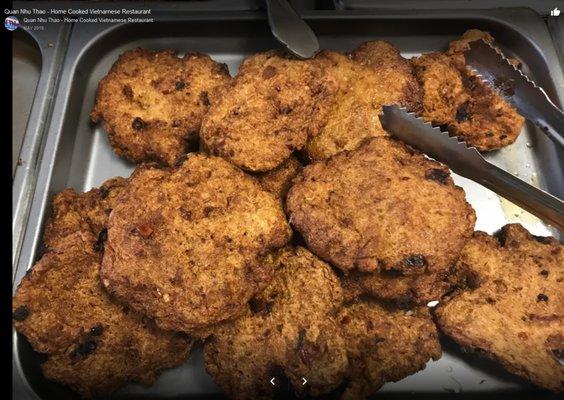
(133, 270)
(94, 343)
(200, 245)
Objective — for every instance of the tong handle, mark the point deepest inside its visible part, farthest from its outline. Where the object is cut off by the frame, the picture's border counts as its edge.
(542, 204)
(538, 108)
(553, 120)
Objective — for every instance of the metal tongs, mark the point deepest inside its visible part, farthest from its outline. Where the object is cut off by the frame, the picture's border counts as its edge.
(468, 162)
(290, 30)
(529, 99)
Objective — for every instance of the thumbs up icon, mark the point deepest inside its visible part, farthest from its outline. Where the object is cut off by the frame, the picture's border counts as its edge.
(555, 12)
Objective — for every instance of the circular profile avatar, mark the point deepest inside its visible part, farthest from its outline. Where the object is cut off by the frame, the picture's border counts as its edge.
(11, 23)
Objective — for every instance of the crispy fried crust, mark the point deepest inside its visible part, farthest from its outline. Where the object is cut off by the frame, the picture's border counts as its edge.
(381, 207)
(152, 102)
(279, 180)
(271, 109)
(374, 74)
(87, 212)
(513, 312)
(184, 246)
(91, 340)
(457, 47)
(385, 345)
(471, 35)
(454, 97)
(401, 289)
(290, 330)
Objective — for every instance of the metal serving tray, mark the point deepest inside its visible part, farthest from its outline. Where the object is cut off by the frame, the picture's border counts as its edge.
(76, 154)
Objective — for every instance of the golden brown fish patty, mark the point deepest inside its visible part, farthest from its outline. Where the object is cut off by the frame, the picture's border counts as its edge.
(401, 289)
(381, 207)
(513, 312)
(184, 245)
(93, 344)
(385, 344)
(273, 106)
(457, 47)
(87, 212)
(471, 35)
(457, 99)
(373, 75)
(290, 330)
(279, 180)
(298, 328)
(152, 102)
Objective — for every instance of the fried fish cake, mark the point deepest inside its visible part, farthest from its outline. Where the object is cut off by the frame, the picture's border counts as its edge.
(457, 99)
(152, 102)
(385, 344)
(401, 289)
(457, 47)
(290, 330)
(184, 245)
(88, 212)
(279, 180)
(381, 207)
(513, 312)
(91, 341)
(273, 106)
(471, 35)
(373, 75)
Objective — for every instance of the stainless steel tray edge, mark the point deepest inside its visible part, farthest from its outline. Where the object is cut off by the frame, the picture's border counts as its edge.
(52, 45)
(556, 28)
(543, 7)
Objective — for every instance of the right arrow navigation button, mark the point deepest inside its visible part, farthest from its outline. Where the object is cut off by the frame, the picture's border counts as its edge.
(304, 381)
